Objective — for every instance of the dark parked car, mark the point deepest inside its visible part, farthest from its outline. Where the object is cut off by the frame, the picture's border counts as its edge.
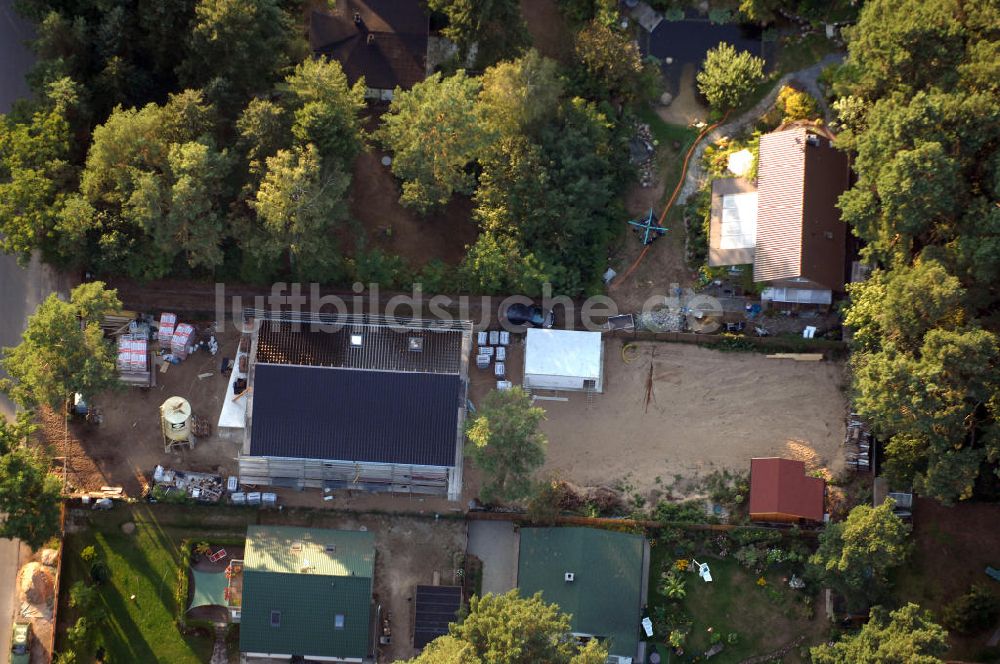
(530, 315)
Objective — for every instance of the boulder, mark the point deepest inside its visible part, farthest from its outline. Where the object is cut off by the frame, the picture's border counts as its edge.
(666, 98)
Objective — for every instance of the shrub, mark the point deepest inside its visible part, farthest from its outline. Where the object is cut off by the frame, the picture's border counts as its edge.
(100, 572)
(975, 611)
(688, 511)
(796, 105)
(89, 554)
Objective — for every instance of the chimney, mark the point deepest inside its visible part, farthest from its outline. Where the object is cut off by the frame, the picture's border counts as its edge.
(357, 18)
(371, 39)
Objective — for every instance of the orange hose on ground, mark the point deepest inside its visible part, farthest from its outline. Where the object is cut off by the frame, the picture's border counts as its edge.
(673, 198)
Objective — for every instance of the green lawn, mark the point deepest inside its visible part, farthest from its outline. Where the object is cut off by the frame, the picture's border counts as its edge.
(144, 564)
(801, 52)
(763, 618)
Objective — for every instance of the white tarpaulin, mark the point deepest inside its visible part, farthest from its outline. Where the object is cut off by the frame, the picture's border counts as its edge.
(739, 221)
(739, 162)
(563, 359)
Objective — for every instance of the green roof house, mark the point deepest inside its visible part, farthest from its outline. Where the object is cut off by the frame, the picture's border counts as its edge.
(307, 592)
(596, 576)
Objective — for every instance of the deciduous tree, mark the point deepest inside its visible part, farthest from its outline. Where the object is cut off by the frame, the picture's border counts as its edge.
(509, 629)
(326, 110)
(505, 443)
(29, 497)
(905, 636)
(154, 183)
(297, 206)
(612, 66)
(856, 555)
(63, 350)
(435, 135)
(728, 76)
(238, 47)
(493, 29)
(35, 173)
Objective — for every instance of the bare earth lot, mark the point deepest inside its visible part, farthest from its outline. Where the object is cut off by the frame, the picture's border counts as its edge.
(128, 444)
(707, 410)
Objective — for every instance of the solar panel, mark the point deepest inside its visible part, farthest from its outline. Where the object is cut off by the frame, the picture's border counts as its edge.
(436, 607)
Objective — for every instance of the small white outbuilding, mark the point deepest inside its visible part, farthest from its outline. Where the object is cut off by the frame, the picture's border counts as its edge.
(564, 360)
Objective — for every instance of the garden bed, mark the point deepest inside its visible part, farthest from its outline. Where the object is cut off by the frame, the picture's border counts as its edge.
(746, 612)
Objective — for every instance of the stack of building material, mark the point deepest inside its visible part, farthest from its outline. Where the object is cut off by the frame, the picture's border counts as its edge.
(167, 323)
(132, 353)
(183, 334)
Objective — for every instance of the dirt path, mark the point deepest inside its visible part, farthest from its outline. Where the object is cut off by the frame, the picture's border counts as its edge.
(806, 78)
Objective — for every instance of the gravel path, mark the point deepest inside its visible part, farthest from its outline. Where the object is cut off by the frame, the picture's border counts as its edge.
(806, 78)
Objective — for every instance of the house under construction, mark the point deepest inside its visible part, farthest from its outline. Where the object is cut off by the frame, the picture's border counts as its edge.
(355, 402)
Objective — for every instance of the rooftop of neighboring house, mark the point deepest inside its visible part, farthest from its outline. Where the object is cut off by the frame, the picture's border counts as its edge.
(605, 594)
(781, 487)
(800, 237)
(307, 591)
(383, 40)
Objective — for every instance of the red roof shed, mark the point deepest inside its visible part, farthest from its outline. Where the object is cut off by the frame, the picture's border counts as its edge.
(780, 490)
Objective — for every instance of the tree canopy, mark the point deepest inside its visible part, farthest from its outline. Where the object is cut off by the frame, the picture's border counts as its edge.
(509, 629)
(920, 107)
(505, 443)
(237, 47)
(728, 76)
(63, 350)
(29, 496)
(856, 555)
(905, 636)
(435, 135)
(298, 205)
(489, 30)
(152, 188)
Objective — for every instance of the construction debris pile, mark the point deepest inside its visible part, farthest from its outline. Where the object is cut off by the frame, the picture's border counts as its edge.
(663, 320)
(178, 340)
(641, 152)
(202, 487)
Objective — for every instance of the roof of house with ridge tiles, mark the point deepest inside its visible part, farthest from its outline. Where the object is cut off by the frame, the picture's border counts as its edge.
(307, 591)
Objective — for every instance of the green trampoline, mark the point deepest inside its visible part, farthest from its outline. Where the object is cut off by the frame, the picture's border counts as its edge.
(209, 589)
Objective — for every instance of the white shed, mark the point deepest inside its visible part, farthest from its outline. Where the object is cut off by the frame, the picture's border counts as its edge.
(564, 360)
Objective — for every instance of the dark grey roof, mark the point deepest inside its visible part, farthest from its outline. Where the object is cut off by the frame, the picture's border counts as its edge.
(388, 45)
(436, 607)
(382, 347)
(355, 415)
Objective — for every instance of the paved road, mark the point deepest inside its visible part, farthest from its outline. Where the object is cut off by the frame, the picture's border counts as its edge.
(20, 289)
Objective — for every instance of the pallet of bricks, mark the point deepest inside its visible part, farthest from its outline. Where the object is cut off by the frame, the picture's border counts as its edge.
(131, 353)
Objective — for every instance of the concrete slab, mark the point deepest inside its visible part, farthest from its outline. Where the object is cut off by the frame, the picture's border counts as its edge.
(496, 544)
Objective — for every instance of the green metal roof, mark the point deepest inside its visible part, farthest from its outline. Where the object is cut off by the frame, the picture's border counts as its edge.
(605, 594)
(287, 549)
(290, 574)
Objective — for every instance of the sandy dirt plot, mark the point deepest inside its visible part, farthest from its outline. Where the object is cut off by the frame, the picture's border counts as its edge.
(128, 444)
(706, 410)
